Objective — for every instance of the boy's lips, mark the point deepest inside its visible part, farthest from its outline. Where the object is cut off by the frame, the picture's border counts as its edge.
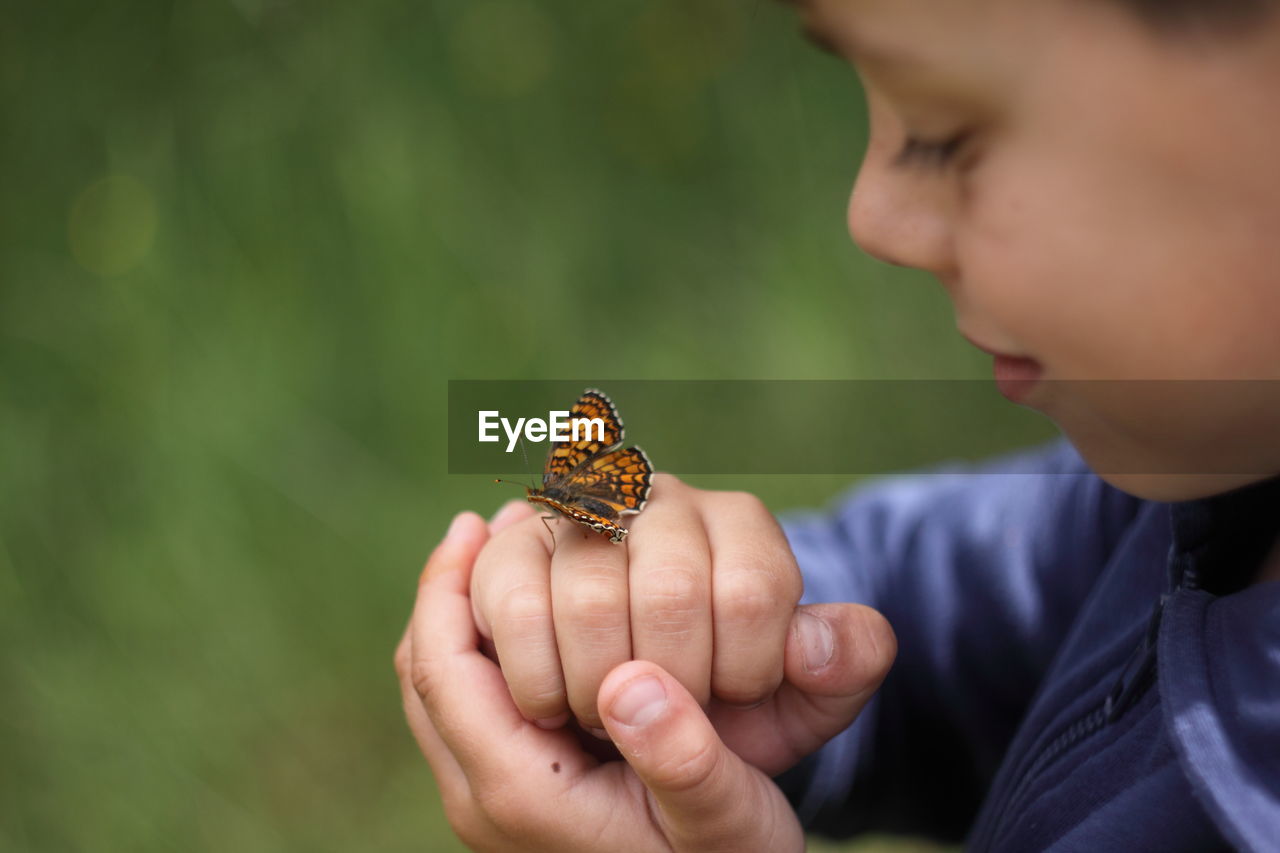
(1015, 375)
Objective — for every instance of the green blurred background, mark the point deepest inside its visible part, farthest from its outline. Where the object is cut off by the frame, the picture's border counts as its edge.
(244, 244)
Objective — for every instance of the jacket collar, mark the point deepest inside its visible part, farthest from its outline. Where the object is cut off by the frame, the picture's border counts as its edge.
(1219, 542)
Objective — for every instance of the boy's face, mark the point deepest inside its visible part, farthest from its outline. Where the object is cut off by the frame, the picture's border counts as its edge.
(1097, 200)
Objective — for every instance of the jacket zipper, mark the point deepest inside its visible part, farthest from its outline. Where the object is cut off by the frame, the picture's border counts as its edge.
(1135, 679)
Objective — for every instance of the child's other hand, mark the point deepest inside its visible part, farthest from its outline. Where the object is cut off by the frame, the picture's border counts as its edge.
(706, 588)
(509, 785)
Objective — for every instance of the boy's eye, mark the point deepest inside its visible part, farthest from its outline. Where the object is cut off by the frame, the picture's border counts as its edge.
(929, 153)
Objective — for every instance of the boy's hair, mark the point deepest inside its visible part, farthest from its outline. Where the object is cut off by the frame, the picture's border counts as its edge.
(1181, 16)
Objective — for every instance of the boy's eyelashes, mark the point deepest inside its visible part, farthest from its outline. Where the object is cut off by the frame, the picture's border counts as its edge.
(929, 153)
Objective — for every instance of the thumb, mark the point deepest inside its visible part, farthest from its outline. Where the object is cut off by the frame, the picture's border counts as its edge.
(836, 657)
(706, 797)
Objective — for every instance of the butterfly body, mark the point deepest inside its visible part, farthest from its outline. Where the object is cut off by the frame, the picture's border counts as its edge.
(594, 480)
(582, 515)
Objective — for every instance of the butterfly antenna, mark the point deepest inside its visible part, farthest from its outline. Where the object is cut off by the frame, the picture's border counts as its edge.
(525, 453)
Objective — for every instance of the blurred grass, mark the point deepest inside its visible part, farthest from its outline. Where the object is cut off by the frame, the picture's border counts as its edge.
(244, 244)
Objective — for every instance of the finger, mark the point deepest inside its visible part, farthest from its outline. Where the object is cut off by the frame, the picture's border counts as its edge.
(707, 798)
(755, 587)
(450, 779)
(511, 601)
(461, 690)
(512, 512)
(670, 588)
(591, 614)
(837, 655)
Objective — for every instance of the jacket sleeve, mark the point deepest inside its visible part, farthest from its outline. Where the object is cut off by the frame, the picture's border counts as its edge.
(980, 571)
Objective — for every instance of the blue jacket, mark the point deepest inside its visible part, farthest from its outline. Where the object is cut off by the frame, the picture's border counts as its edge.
(1077, 669)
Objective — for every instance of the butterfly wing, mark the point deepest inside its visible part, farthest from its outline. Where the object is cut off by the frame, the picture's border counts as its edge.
(564, 458)
(619, 479)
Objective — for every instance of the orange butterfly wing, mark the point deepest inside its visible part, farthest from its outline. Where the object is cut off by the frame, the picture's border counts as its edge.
(565, 457)
(621, 479)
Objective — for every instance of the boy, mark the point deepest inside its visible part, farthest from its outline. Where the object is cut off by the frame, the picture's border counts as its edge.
(1086, 663)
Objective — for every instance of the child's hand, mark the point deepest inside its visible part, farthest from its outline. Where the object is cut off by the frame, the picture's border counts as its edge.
(509, 785)
(705, 587)
(699, 571)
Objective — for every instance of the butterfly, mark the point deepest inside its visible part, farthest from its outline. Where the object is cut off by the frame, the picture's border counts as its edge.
(595, 481)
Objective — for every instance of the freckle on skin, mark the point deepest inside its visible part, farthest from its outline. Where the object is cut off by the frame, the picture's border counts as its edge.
(555, 766)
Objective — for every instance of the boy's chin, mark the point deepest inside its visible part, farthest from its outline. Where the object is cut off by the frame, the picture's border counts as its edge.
(1176, 458)
(1178, 487)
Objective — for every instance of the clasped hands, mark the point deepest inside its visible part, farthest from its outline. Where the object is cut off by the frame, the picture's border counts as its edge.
(685, 649)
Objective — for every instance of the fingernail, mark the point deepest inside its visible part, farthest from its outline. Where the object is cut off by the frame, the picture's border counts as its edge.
(600, 734)
(816, 644)
(553, 722)
(455, 526)
(640, 703)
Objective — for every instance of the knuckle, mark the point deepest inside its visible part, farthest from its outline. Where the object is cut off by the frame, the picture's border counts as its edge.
(748, 598)
(669, 482)
(401, 660)
(538, 685)
(527, 527)
(745, 504)
(672, 598)
(424, 680)
(542, 699)
(597, 602)
(525, 605)
(675, 583)
(690, 771)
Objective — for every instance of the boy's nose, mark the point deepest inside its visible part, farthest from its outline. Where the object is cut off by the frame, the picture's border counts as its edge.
(901, 220)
